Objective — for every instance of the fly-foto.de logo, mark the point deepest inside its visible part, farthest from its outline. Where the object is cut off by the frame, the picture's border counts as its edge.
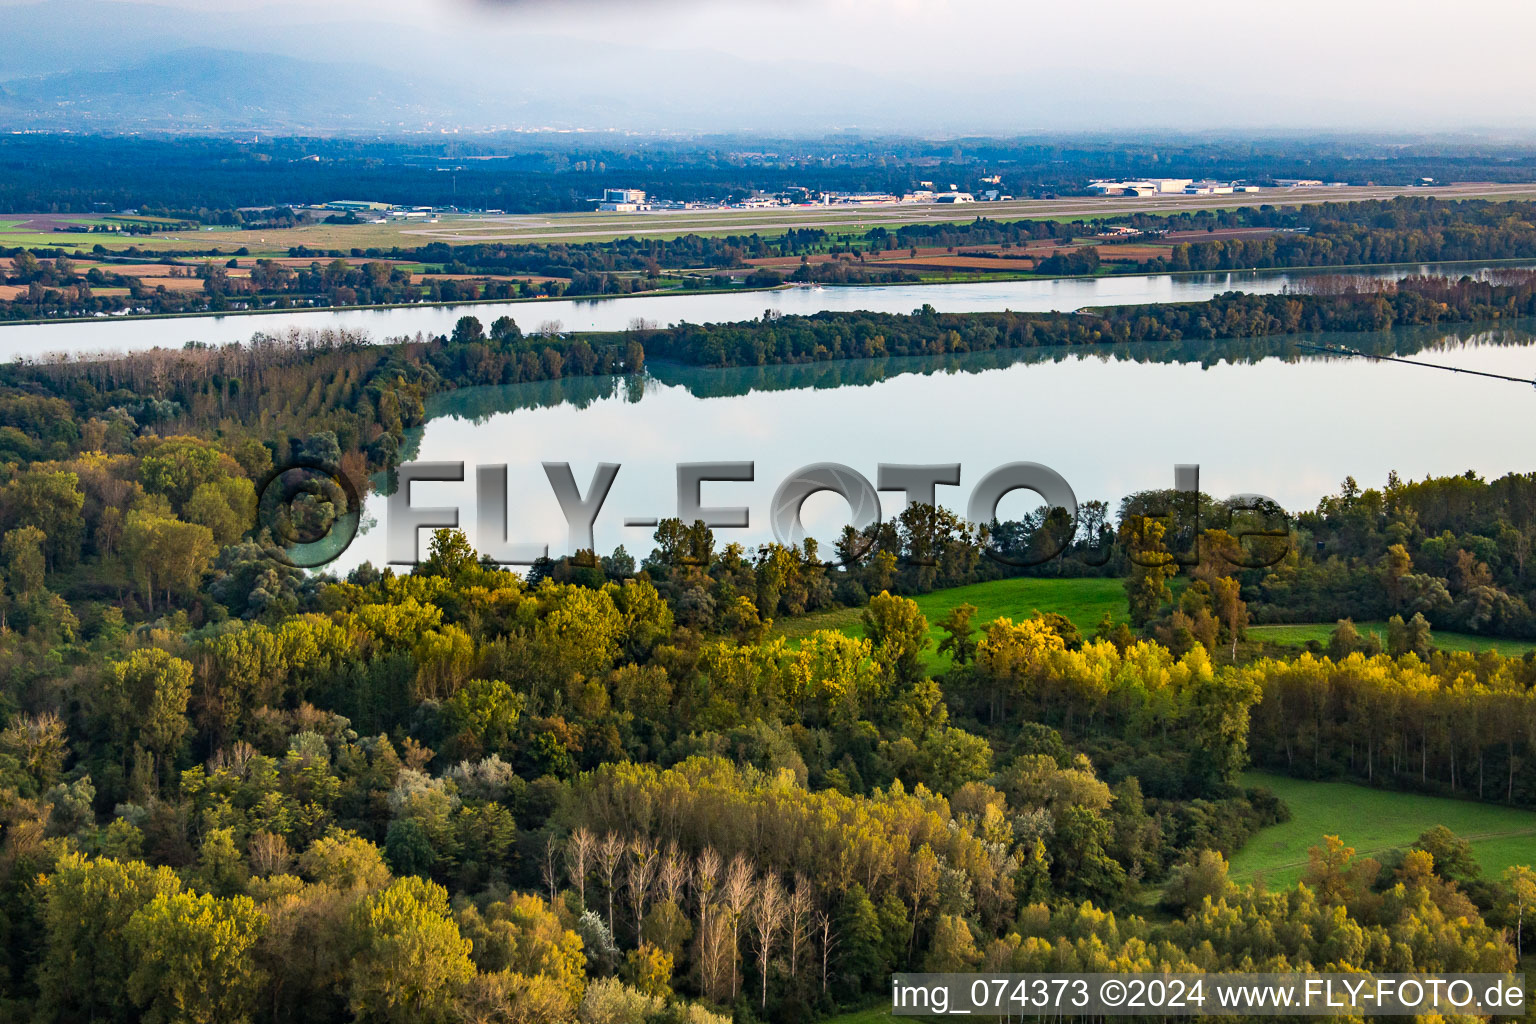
(703, 495)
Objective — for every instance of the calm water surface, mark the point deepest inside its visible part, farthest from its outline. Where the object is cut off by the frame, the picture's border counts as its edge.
(1258, 416)
(108, 335)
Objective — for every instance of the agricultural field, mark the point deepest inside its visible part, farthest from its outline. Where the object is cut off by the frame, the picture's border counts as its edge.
(1374, 822)
(1083, 601)
(1298, 634)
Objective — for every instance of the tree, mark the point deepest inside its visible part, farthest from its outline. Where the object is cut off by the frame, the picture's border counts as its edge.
(1203, 878)
(861, 948)
(960, 636)
(649, 969)
(193, 959)
(1230, 608)
(898, 632)
(468, 330)
(1146, 588)
(579, 852)
(768, 913)
(147, 693)
(166, 555)
(87, 908)
(736, 893)
(610, 852)
(24, 561)
(410, 959)
(1395, 564)
(227, 506)
(1521, 883)
(51, 500)
(953, 947)
(1419, 639)
(1344, 640)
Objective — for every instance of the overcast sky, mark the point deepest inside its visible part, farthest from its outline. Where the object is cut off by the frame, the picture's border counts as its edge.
(965, 65)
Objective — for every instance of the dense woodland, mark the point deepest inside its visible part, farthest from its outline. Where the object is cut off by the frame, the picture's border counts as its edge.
(609, 791)
(532, 173)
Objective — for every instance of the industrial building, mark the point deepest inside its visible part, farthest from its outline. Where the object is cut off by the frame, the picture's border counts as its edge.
(623, 200)
(1167, 186)
(1141, 187)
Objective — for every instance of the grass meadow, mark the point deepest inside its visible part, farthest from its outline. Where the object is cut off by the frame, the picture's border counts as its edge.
(1375, 821)
(1084, 601)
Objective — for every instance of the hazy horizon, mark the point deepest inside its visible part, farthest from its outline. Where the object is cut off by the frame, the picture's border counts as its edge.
(984, 67)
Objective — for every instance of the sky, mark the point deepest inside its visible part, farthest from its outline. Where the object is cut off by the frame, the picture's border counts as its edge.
(995, 66)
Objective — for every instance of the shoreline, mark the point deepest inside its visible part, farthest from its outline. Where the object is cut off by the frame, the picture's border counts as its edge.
(982, 278)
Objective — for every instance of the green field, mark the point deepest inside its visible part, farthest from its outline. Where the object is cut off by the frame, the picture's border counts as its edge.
(1084, 601)
(873, 1015)
(1374, 821)
(1299, 634)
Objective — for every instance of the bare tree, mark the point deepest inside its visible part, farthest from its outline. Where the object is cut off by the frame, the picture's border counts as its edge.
(551, 867)
(637, 880)
(578, 855)
(801, 905)
(712, 954)
(736, 894)
(609, 852)
(706, 876)
(768, 913)
(673, 875)
(828, 941)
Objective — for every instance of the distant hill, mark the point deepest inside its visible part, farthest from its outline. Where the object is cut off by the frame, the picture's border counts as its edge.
(201, 87)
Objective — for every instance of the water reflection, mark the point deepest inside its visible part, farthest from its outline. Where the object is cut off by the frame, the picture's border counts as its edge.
(1259, 416)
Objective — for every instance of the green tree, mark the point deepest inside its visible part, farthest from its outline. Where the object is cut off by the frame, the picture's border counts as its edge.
(898, 632)
(410, 960)
(1419, 640)
(51, 500)
(227, 506)
(1397, 636)
(147, 693)
(1344, 640)
(960, 635)
(952, 948)
(860, 942)
(166, 555)
(193, 959)
(87, 908)
(1146, 588)
(24, 561)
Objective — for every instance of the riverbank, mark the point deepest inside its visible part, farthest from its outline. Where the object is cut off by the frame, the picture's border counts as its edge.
(985, 277)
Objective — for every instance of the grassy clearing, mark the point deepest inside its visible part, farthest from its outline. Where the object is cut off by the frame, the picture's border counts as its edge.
(1084, 601)
(873, 1015)
(1374, 821)
(1298, 634)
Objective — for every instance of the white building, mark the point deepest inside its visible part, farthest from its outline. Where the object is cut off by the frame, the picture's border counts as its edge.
(623, 200)
(954, 197)
(1141, 186)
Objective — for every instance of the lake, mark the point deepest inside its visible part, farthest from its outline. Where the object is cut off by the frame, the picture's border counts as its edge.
(615, 314)
(1257, 415)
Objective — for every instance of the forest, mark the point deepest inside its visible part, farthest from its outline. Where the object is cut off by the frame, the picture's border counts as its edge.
(608, 790)
(531, 172)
